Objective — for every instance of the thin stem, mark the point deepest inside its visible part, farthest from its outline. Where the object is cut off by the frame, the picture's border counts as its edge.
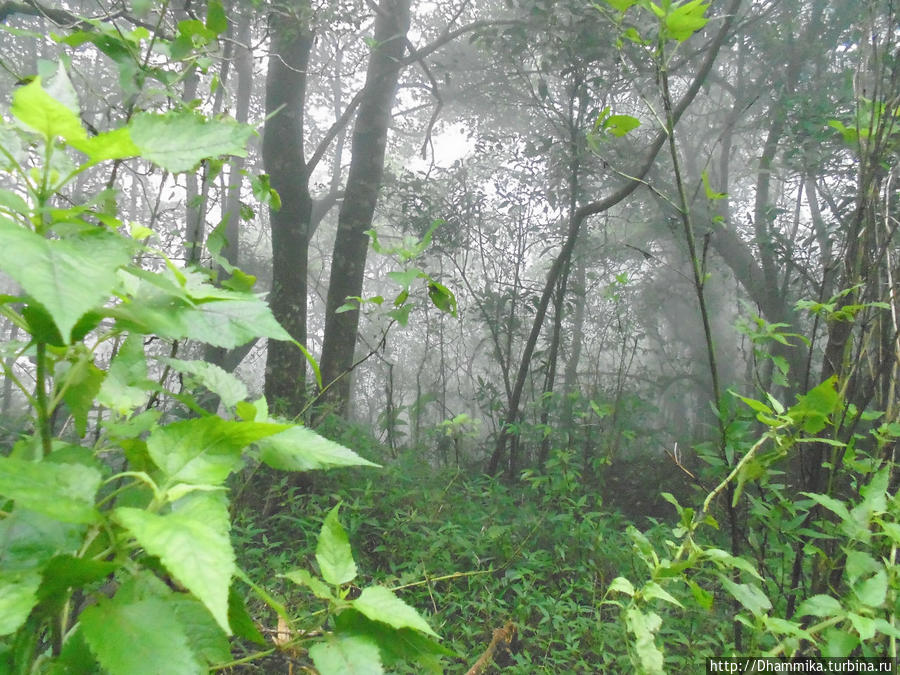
(40, 395)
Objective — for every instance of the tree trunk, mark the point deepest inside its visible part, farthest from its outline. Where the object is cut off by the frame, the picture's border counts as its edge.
(284, 160)
(360, 196)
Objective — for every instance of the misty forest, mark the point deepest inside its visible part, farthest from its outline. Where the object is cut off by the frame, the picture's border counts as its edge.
(464, 336)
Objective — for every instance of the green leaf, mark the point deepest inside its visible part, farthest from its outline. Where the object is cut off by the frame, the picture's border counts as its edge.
(68, 277)
(380, 604)
(29, 540)
(838, 643)
(820, 606)
(836, 506)
(644, 627)
(318, 587)
(403, 645)
(442, 298)
(40, 111)
(749, 595)
(220, 382)
(138, 638)
(653, 590)
(18, 595)
(115, 144)
(205, 638)
(231, 323)
(347, 655)
(619, 125)
(814, 407)
(301, 449)
(864, 625)
(333, 551)
(873, 591)
(126, 385)
(194, 546)
(216, 21)
(67, 571)
(178, 141)
(621, 585)
(11, 201)
(685, 20)
(204, 450)
(240, 620)
(711, 194)
(62, 491)
(725, 558)
(83, 381)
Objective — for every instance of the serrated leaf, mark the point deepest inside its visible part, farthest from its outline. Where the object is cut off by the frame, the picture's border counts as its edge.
(115, 144)
(68, 277)
(18, 595)
(62, 491)
(35, 107)
(138, 638)
(83, 382)
(193, 544)
(333, 552)
(205, 637)
(125, 386)
(231, 323)
(220, 382)
(301, 449)
(178, 141)
(380, 604)
(205, 450)
(347, 655)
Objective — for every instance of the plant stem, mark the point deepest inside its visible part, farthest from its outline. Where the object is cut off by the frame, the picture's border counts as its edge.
(40, 395)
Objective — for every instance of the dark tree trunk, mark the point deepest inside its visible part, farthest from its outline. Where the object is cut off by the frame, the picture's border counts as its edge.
(361, 194)
(284, 160)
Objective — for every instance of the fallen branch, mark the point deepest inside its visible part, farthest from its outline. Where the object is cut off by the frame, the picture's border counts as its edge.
(503, 637)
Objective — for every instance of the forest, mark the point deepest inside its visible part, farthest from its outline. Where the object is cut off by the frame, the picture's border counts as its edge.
(448, 336)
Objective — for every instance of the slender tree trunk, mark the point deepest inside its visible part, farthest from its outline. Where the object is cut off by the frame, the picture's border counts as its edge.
(360, 196)
(283, 156)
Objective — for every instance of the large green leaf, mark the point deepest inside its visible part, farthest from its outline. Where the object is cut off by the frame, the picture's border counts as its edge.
(220, 382)
(644, 627)
(206, 637)
(231, 323)
(18, 594)
(333, 551)
(40, 111)
(750, 596)
(301, 449)
(347, 655)
(193, 544)
(69, 276)
(138, 638)
(403, 645)
(62, 491)
(29, 539)
(206, 450)
(684, 20)
(178, 141)
(380, 604)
